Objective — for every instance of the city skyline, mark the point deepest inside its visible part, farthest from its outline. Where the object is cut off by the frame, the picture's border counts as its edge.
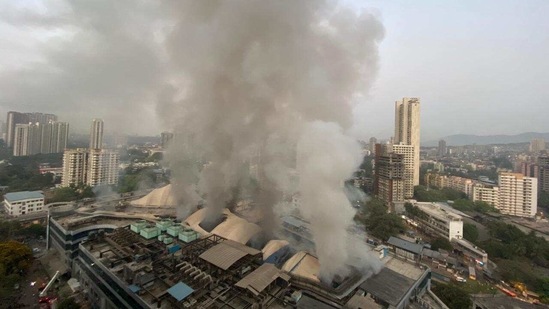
(465, 77)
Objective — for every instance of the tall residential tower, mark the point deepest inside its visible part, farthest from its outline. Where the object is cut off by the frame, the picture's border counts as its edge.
(407, 129)
(96, 134)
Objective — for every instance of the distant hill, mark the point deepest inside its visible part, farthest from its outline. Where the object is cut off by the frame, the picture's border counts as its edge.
(468, 139)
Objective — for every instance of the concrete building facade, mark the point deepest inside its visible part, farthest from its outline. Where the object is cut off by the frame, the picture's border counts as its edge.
(92, 167)
(15, 118)
(441, 220)
(486, 193)
(518, 195)
(102, 167)
(96, 134)
(34, 138)
(442, 150)
(408, 154)
(407, 129)
(24, 202)
(389, 175)
(75, 164)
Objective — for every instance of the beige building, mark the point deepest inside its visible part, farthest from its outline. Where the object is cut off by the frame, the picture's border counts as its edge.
(407, 129)
(485, 193)
(537, 145)
(91, 167)
(102, 167)
(389, 175)
(75, 164)
(517, 195)
(408, 153)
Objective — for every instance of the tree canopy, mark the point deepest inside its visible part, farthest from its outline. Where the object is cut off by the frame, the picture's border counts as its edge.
(378, 222)
(453, 296)
(441, 243)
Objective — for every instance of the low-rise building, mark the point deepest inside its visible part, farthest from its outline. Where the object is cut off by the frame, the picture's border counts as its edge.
(24, 202)
(486, 193)
(440, 219)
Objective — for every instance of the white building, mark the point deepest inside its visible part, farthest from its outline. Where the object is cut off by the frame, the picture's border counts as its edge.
(92, 167)
(75, 165)
(441, 220)
(517, 195)
(486, 193)
(102, 167)
(407, 129)
(34, 138)
(408, 152)
(24, 202)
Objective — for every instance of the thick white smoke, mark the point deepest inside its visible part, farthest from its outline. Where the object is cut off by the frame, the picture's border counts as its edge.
(260, 89)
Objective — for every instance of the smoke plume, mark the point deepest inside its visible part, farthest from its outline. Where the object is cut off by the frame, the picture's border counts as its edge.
(261, 89)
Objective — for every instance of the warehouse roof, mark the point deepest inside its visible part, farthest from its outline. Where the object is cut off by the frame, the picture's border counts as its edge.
(23, 195)
(388, 285)
(223, 255)
(260, 278)
(405, 245)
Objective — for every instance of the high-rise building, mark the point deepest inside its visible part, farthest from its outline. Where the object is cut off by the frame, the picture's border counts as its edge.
(39, 133)
(389, 175)
(35, 138)
(75, 166)
(92, 167)
(372, 145)
(14, 118)
(96, 134)
(407, 151)
(102, 167)
(21, 140)
(165, 139)
(518, 195)
(60, 137)
(537, 145)
(407, 129)
(543, 173)
(442, 148)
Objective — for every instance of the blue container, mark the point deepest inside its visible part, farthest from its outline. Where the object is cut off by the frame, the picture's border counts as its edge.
(174, 248)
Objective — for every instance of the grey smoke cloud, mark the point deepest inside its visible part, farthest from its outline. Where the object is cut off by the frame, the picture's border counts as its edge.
(98, 59)
(245, 85)
(261, 83)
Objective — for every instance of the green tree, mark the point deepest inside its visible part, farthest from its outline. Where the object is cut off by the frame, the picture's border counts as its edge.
(378, 222)
(15, 257)
(453, 296)
(441, 243)
(470, 232)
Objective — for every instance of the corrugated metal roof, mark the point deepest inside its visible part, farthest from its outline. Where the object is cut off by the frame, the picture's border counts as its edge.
(180, 291)
(260, 278)
(388, 285)
(241, 247)
(405, 245)
(223, 255)
(23, 195)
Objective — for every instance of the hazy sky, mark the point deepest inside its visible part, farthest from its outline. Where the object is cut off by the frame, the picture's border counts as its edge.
(479, 67)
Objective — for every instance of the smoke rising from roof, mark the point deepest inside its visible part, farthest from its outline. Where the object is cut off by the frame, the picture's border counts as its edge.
(260, 89)
(259, 94)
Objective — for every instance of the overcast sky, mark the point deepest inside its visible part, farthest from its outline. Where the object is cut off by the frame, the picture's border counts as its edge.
(479, 67)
